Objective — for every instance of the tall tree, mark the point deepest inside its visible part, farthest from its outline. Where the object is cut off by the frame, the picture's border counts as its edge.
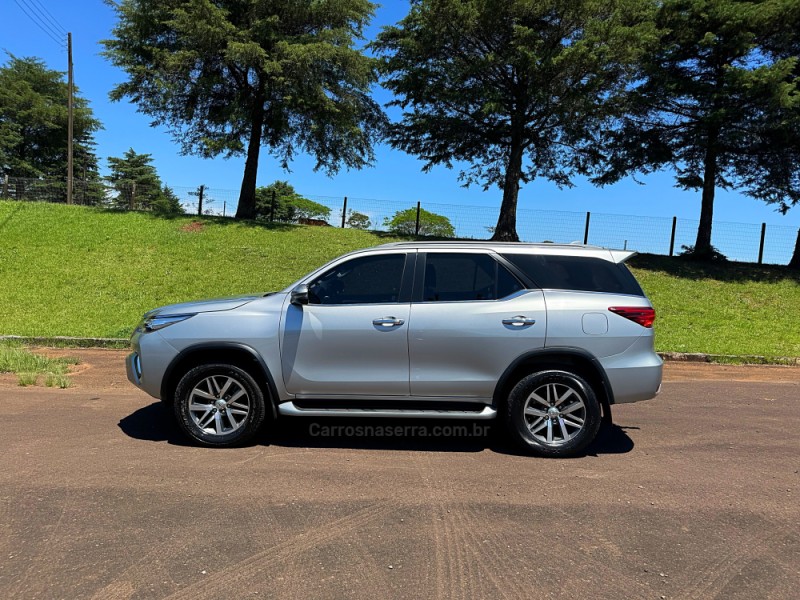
(794, 262)
(135, 179)
(513, 88)
(228, 76)
(785, 44)
(717, 101)
(33, 123)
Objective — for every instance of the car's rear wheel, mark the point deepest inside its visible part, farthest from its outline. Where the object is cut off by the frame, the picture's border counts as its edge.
(219, 405)
(553, 413)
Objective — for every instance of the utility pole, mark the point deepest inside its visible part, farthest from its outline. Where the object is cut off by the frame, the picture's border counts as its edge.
(70, 110)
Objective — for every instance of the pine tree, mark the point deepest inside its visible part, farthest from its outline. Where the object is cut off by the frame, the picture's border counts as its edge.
(230, 76)
(33, 126)
(508, 91)
(135, 181)
(717, 102)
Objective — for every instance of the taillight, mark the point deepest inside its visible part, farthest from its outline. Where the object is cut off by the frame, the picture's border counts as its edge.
(637, 314)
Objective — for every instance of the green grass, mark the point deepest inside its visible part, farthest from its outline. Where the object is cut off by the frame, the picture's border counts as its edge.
(29, 367)
(57, 380)
(734, 308)
(26, 379)
(74, 271)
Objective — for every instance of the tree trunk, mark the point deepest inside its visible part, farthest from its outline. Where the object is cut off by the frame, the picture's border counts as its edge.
(506, 230)
(702, 247)
(247, 195)
(795, 262)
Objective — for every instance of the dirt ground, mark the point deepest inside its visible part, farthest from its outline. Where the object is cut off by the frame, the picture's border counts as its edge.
(691, 495)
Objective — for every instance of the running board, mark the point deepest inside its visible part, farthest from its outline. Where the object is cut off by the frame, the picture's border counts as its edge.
(289, 409)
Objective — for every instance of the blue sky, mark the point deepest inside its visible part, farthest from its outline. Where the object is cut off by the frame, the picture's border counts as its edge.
(395, 176)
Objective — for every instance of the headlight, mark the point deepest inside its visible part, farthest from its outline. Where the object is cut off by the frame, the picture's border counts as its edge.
(161, 321)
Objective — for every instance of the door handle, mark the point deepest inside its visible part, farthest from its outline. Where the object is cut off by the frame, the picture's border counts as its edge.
(387, 322)
(519, 321)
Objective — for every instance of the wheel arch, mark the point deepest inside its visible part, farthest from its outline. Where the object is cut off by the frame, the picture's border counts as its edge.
(240, 355)
(576, 360)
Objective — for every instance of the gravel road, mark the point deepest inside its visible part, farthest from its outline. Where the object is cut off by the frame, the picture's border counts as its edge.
(691, 495)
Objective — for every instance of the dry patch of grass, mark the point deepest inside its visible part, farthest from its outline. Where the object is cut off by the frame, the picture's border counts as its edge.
(32, 368)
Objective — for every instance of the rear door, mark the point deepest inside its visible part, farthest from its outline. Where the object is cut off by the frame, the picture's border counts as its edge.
(470, 318)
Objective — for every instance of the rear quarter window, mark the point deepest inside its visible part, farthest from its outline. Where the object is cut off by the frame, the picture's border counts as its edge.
(576, 273)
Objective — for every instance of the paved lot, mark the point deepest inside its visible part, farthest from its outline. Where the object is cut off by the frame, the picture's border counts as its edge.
(691, 495)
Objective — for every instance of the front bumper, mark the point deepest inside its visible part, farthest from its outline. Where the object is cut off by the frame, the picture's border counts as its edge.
(148, 361)
(133, 366)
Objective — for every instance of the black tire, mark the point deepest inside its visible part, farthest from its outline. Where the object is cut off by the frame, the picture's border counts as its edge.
(243, 393)
(580, 419)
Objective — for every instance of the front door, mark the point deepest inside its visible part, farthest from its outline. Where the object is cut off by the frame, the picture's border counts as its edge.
(351, 339)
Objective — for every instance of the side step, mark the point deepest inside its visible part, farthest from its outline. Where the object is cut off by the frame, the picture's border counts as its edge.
(290, 409)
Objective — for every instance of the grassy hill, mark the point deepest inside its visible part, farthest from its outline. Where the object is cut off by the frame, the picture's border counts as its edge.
(84, 272)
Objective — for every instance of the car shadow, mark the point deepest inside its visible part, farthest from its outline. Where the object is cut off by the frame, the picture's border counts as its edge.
(611, 439)
(364, 433)
(155, 423)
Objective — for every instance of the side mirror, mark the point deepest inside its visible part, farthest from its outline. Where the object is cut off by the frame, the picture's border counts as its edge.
(300, 295)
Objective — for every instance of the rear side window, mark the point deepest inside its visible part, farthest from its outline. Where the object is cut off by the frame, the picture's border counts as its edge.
(577, 273)
(453, 277)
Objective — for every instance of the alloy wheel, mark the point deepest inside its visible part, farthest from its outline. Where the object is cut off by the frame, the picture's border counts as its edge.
(219, 405)
(555, 413)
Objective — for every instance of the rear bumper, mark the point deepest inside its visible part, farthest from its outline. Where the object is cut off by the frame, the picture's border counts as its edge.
(633, 384)
(635, 374)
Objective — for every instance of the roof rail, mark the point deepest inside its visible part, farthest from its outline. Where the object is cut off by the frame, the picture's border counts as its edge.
(490, 243)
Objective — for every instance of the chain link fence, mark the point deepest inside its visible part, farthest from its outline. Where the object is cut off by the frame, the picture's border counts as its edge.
(121, 195)
(742, 242)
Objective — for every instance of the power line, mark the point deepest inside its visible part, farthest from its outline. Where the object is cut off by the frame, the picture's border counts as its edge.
(53, 35)
(48, 16)
(37, 14)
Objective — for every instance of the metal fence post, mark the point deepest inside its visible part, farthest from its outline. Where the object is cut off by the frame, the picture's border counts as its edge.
(761, 244)
(672, 237)
(133, 195)
(344, 211)
(200, 191)
(272, 208)
(586, 232)
(416, 227)
(224, 205)
(5, 186)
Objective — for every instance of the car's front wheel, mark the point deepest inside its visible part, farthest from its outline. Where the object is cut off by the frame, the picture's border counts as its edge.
(219, 405)
(553, 413)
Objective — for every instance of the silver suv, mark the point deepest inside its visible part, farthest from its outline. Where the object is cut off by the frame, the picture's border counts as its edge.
(545, 336)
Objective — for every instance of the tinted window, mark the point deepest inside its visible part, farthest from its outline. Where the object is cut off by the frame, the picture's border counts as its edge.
(370, 279)
(459, 277)
(576, 273)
